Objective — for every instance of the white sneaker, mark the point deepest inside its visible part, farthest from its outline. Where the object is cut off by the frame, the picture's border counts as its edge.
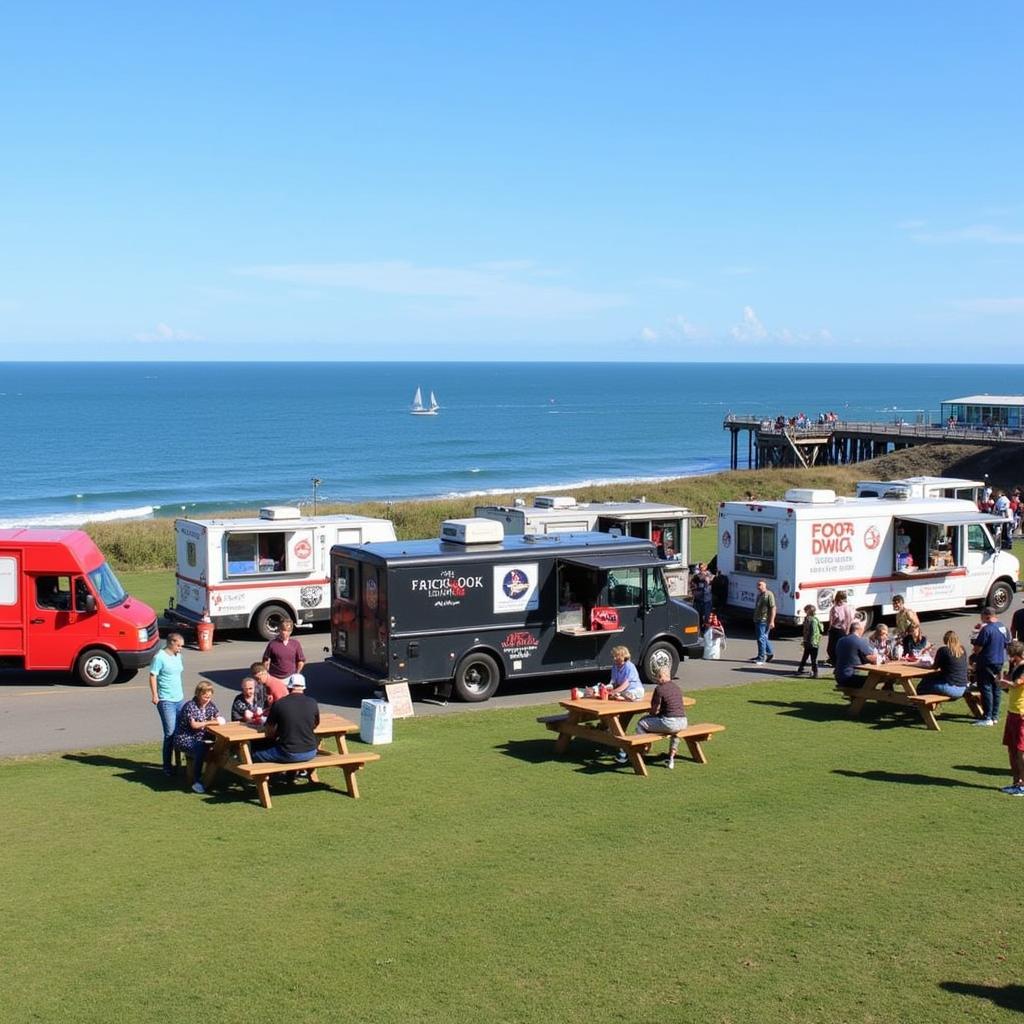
(621, 757)
(198, 787)
(758, 664)
(983, 721)
(671, 763)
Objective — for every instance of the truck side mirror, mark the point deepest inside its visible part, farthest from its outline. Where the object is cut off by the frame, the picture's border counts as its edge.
(90, 604)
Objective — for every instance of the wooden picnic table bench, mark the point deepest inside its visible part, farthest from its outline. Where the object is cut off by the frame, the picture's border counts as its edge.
(613, 718)
(232, 751)
(895, 682)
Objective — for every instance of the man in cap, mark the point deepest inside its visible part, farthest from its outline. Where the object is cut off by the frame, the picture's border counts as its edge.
(290, 726)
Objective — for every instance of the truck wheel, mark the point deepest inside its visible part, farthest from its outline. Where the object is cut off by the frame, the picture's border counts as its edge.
(1000, 597)
(268, 620)
(477, 677)
(865, 615)
(97, 667)
(660, 655)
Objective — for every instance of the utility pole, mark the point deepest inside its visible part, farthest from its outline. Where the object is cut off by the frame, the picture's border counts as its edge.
(316, 484)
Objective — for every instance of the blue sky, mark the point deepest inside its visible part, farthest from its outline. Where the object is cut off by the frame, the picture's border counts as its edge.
(458, 181)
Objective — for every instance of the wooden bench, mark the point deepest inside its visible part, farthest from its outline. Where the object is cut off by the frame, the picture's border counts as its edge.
(551, 721)
(693, 736)
(260, 771)
(926, 700)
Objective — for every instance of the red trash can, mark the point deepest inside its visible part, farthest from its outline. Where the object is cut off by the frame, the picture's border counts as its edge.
(204, 636)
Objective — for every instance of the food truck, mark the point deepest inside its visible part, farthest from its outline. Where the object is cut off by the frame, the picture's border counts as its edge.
(62, 609)
(667, 526)
(475, 607)
(939, 553)
(923, 487)
(251, 573)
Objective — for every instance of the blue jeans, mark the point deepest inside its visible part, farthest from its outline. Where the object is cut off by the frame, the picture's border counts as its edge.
(941, 687)
(987, 675)
(168, 712)
(275, 753)
(764, 645)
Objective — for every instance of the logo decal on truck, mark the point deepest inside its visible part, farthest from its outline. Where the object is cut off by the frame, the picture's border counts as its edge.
(520, 644)
(446, 587)
(872, 538)
(515, 588)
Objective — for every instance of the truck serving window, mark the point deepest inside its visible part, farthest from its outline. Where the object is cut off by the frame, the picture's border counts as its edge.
(755, 549)
(251, 553)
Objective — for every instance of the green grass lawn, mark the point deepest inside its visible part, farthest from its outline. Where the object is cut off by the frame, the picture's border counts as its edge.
(154, 587)
(817, 870)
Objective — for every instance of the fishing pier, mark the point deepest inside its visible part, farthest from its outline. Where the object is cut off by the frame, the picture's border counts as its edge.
(845, 442)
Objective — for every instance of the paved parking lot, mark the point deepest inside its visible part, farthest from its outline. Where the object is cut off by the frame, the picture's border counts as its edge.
(42, 713)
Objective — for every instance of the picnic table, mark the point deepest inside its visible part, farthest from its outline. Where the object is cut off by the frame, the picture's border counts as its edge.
(606, 721)
(232, 751)
(895, 682)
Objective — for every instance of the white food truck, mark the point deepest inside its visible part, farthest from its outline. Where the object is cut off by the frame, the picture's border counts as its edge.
(923, 487)
(251, 573)
(940, 553)
(668, 526)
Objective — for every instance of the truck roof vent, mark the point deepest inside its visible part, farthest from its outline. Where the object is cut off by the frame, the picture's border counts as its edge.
(472, 531)
(554, 501)
(280, 512)
(811, 496)
(899, 492)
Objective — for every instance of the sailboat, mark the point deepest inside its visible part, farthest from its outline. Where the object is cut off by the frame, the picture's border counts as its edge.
(419, 409)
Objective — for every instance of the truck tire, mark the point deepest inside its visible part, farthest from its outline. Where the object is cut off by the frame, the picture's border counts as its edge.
(96, 667)
(1000, 597)
(268, 619)
(865, 615)
(658, 656)
(477, 677)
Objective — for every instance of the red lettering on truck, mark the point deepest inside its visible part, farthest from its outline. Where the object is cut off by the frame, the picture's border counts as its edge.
(832, 538)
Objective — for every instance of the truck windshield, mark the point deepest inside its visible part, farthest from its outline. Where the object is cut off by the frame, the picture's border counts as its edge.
(107, 586)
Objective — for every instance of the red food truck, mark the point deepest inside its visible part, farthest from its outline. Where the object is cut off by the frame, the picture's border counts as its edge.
(62, 609)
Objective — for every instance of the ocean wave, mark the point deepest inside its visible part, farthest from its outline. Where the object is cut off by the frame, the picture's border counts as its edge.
(68, 519)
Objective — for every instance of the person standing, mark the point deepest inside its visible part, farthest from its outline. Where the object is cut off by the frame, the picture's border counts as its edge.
(291, 726)
(284, 656)
(700, 588)
(1013, 731)
(840, 619)
(166, 692)
(989, 657)
(764, 623)
(811, 641)
(906, 620)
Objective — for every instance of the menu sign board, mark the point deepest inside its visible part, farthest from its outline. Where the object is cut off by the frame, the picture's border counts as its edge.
(400, 700)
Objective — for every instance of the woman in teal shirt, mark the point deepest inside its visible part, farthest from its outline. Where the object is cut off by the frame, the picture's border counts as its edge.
(166, 691)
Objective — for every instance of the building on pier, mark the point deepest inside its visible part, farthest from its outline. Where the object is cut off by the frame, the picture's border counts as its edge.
(985, 411)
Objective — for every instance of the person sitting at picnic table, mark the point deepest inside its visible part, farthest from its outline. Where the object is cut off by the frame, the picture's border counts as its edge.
(668, 715)
(291, 725)
(190, 736)
(950, 666)
(273, 689)
(852, 652)
(881, 641)
(915, 643)
(247, 706)
(625, 680)
(284, 656)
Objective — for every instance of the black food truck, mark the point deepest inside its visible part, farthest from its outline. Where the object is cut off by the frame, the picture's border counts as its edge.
(474, 607)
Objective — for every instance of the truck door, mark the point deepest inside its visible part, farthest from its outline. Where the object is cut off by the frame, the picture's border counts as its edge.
(980, 557)
(12, 628)
(59, 625)
(374, 617)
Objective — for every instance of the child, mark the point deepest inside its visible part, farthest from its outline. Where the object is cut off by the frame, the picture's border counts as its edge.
(1013, 731)
(812, 640)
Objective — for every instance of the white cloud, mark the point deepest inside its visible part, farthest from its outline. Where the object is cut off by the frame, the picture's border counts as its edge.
(996, 307)
(751, 329)
(648, 334)
(494, 289)
(164, 332)
(686, 329)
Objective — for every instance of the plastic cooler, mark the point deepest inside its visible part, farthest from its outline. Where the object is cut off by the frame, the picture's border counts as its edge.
(375, 721)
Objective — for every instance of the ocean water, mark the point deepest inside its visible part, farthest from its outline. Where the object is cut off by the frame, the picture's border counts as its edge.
(121, 440)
